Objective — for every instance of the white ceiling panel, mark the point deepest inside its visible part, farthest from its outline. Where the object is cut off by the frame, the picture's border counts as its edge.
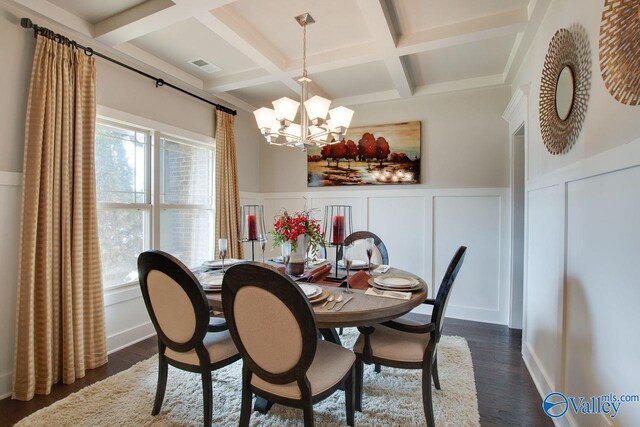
(94, 11)
(417, 15)
(187, 40)
(338, 23)
(263, 95)
(482, 58)
(355, 80)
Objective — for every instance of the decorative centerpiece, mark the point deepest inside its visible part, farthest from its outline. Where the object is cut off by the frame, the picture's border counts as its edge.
(295, 234)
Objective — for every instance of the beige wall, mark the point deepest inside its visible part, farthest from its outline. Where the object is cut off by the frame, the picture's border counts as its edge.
(464, 141)
(608, 123)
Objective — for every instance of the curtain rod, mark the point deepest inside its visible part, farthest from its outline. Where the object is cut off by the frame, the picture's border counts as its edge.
(59, 38)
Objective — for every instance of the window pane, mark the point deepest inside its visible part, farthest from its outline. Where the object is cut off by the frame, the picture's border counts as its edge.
(120, 165)
(186, 175)
(187, 234)
(121, 241)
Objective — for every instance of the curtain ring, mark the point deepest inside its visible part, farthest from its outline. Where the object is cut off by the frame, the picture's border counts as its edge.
(88, 51)
(159, 82)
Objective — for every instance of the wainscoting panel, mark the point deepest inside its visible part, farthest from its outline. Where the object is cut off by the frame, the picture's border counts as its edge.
(408, 220)
(473, 222)
(10, 199)
(603, 289)
(581, 281)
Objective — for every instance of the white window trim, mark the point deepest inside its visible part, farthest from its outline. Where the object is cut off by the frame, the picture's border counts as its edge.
(156, 130)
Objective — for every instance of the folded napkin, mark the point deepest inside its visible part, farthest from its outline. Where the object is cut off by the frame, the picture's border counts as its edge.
(210, 279)
(388, 294)
(381, 269)
(315, 274)
(360, 280)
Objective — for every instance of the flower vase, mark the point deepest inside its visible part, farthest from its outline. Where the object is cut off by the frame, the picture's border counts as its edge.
(297, 260)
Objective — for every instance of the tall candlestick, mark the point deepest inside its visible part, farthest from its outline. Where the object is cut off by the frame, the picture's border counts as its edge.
(251, 227)
(338, 230)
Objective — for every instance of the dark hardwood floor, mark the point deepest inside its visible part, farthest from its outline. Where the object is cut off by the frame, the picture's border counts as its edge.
(506, 393)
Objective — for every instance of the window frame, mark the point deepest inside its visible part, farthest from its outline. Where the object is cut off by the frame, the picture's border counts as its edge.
(152, 207)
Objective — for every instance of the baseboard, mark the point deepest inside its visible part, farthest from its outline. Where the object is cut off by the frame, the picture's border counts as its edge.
(129, 337)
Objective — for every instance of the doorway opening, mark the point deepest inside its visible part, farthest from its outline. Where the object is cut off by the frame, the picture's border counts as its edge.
(517, 228)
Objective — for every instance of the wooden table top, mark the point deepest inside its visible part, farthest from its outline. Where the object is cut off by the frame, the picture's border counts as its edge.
(363, 310)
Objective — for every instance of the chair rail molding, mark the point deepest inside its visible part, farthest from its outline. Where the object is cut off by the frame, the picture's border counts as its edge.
(11, 178)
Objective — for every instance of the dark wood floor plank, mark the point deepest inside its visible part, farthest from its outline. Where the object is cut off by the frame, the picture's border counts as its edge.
(506, 393)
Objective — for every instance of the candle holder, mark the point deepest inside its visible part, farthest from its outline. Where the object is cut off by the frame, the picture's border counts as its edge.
(252, 225)
(337, 225)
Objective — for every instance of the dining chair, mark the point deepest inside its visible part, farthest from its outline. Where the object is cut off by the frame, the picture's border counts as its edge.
(405, 343)
(188, 338)
(274, 328)
(357, 239)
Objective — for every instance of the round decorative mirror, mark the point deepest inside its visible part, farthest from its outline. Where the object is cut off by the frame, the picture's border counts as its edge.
(565, 90)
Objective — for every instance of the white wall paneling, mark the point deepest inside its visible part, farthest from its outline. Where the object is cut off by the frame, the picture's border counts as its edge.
(422, 228)
(581, 280)
(10, 199)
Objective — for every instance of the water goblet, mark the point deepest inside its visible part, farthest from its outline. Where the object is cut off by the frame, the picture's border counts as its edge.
(369, 248)
(263, 244)
(347, 259)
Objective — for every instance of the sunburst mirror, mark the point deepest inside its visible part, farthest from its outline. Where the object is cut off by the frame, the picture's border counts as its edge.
(620, 50)
(564, 88)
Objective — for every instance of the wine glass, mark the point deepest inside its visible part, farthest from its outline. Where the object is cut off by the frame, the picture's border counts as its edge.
(369, 248)
(285, 249)
(263, 244)
(222, 251)
(347, 259)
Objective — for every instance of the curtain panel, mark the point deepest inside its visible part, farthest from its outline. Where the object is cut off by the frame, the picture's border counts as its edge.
(60, 311)
(227, 196)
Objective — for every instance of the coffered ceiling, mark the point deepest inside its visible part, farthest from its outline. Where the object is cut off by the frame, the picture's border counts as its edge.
(359, 51)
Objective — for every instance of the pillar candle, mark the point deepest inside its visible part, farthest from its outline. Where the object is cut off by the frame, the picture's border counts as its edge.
(338, 230)
(251, 227)
(222, 244)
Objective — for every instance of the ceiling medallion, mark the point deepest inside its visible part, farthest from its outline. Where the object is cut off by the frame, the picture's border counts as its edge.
(278, 126)
(564, 88)
(620, 50)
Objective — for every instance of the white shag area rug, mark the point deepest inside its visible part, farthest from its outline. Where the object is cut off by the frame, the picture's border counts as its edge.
(391, 398)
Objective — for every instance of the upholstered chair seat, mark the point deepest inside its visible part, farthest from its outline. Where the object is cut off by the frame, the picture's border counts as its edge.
(330, 365)
(219, 345)
(391, 344)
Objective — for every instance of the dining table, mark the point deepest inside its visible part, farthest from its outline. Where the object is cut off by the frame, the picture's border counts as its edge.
(362, 310)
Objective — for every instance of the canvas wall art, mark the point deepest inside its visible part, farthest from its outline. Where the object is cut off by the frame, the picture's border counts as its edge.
(373, 155)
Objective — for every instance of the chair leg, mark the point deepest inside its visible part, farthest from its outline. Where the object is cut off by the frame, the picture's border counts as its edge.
(247, 397)
(359, 368)
(349, 396)
(162, 384)
(427, 401)
(207, 397)
(436, 378)
(377, 368)
(340, 331)
(308, 414)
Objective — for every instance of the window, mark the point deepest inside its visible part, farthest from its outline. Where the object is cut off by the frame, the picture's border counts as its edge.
(170, 209)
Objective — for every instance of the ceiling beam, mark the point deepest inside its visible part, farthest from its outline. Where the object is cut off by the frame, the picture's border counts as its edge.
(150, 16)
(378, 17)
(472, 30)
(239, 80)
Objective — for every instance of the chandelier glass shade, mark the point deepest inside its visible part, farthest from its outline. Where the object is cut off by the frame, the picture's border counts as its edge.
(319, 125)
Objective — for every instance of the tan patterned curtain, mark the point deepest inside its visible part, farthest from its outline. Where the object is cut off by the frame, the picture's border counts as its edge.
(60, 312)
(227, 196)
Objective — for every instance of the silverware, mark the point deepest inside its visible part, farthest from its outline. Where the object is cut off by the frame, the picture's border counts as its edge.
(343, 304)
(390, 293)
(335, 302)
(330, 299)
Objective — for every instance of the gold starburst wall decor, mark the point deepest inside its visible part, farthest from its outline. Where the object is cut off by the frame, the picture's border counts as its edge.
(620, 49)
(564, 88)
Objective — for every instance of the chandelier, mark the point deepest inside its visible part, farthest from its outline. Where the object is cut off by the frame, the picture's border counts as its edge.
(315, 129)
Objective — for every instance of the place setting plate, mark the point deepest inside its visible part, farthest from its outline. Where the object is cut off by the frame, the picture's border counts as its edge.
(211, 282)
(314, 293)
(395, 283)
(356, 264)
(217, 263)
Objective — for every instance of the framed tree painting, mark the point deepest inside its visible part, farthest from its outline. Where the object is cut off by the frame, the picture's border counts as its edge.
(374, 155)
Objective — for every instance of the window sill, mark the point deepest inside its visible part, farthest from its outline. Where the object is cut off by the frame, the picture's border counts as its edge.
(121, 293)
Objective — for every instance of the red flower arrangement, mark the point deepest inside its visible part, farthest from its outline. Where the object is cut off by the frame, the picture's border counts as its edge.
(287, 228)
